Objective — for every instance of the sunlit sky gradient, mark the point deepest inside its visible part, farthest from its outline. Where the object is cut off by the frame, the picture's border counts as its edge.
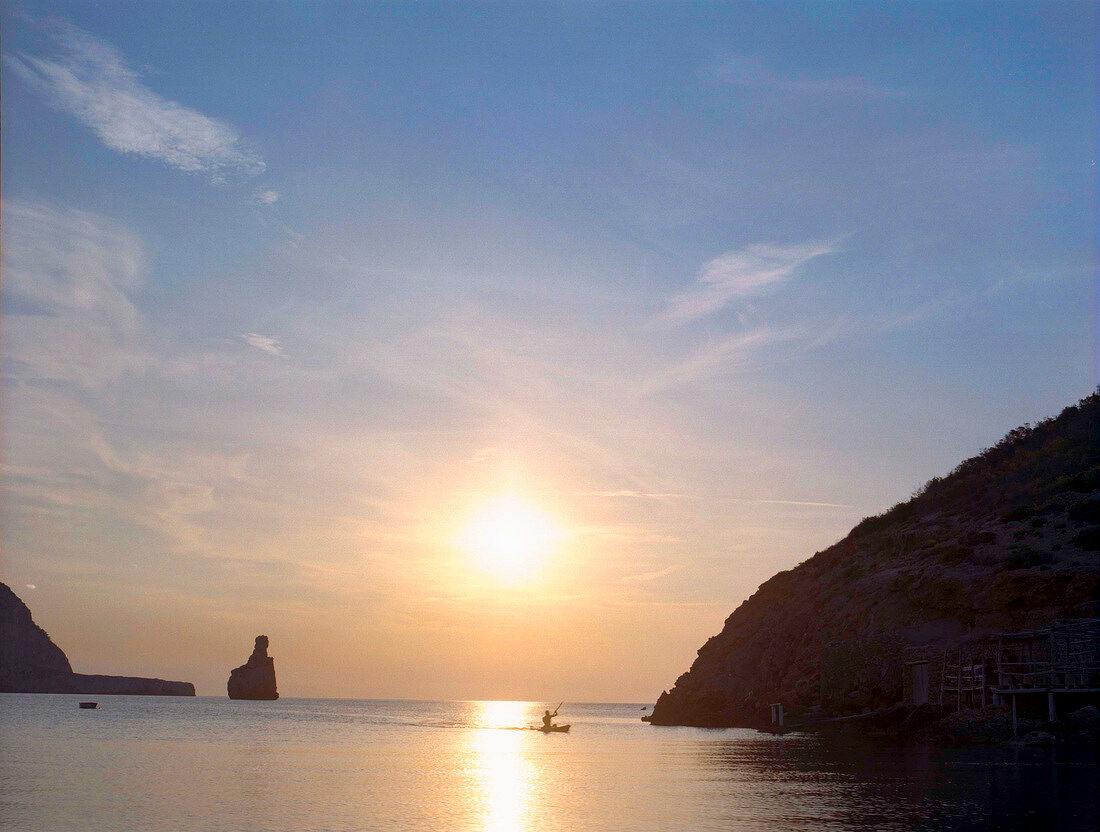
(292, 291)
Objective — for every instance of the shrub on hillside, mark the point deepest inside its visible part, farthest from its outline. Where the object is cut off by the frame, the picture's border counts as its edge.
(1019, 514)
(1086, 512)
(1025, 557)
(1089, 539)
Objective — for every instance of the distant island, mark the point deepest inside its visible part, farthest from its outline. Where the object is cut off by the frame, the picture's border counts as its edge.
(983, 583)
(31, 663)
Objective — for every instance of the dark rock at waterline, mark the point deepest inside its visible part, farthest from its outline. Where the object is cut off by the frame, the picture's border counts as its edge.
(974, 727)
(1036, 738)
(255, 679)
(1083, 726)
(31, 663)
(1084, 719)
(929, 723)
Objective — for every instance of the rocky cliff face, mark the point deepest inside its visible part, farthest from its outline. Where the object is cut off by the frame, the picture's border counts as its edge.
(26, 651)
(31, 663)
(255, 679)
(1009, 540)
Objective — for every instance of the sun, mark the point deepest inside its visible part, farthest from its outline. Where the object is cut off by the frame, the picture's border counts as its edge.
(510, 538)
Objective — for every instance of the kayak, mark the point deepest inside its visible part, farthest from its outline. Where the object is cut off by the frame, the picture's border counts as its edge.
(552, 729)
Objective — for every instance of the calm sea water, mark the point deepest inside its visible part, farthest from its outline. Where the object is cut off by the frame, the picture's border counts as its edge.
(148, 763)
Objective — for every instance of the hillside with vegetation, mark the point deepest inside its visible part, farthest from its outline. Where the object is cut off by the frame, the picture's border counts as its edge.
(1008, 540)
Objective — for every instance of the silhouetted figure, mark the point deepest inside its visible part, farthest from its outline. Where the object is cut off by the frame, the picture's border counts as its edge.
(255, 679)
(546, 720)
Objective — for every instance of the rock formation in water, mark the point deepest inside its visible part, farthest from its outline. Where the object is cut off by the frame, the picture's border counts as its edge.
(1007, 541)
(255, 679)
(31, 663)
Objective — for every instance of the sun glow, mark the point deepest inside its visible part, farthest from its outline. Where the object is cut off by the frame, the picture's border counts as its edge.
(510, 538)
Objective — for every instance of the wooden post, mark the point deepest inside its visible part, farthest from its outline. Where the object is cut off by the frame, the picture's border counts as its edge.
(1050, 679)
(1000, 678)
(943, 675)
(1050, 665)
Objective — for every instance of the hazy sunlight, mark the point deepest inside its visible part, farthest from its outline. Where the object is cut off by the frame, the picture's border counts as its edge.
(510, 538)
(501, 766)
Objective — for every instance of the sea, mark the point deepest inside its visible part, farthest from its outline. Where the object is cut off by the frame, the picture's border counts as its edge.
(209, 763)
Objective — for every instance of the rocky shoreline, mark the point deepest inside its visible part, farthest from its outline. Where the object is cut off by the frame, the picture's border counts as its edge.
(933, 724)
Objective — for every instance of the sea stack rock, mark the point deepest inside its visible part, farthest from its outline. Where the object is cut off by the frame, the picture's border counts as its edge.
(255, 679)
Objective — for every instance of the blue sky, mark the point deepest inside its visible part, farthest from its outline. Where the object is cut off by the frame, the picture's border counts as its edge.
(291, 289)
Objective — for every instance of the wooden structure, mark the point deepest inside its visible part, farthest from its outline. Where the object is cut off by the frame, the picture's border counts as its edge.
(963, 677)
(1050, 662)
(1063, 658)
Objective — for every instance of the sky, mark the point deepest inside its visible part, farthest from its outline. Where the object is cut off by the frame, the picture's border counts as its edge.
(300, 301)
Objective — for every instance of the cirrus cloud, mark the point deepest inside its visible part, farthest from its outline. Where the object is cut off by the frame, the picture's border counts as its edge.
(262, 343)
(88, 79)
(750, 73)
(740, 273)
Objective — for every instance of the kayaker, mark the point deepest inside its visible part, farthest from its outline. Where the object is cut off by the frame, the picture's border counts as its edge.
(546, 717)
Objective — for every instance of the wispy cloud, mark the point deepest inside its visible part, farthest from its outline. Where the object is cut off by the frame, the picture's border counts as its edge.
(741, 273)
(68, 277)
(646, 577)
(263, 342)
(88, 79)
(643, 495)
(266, 197)
(721, 355)
(750, 73)
(628, 494)
(803, 503)
(293, 238)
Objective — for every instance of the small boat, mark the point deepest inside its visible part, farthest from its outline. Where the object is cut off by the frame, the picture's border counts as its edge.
(553, 729)
(90, 706)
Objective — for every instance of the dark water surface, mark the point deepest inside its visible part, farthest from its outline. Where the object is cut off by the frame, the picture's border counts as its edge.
(149, 763)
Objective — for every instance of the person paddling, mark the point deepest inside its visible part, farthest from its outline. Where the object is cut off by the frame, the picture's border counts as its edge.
(547, 724)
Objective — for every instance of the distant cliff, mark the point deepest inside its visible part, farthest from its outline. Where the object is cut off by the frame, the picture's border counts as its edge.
(1006, 541)
(31, 663)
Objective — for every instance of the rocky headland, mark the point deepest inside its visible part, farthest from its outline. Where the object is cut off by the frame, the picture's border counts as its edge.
(255, 679)
(1008, 541)
(31, 663)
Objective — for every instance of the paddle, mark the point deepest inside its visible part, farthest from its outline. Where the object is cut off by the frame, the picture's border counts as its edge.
(537, 728)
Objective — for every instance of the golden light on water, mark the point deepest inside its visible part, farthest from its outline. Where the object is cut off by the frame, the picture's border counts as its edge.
(501, 766)
(510, 538)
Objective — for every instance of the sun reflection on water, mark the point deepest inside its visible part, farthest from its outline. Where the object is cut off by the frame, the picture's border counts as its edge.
(501, 766)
